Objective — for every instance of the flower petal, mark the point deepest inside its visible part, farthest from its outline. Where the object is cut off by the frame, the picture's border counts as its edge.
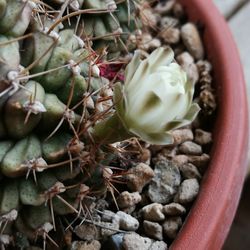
(155, 138)
(187, 119)
(132, 67)
(160, 57)
(192, 112)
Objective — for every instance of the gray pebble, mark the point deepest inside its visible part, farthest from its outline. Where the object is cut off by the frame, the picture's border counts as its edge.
(158, 245)
(109, 229)
(134, 241)
(153, 230)
(165, 183)
(101, 204)
(81, 245)
(174, 209)
(171, 226)
(190, 148)
(189, 171)
(107, 215)
(114, 242)
(191, 38)
(126, 199)
(153, 212)
(127, 222)
(203, 137)
(188, 191)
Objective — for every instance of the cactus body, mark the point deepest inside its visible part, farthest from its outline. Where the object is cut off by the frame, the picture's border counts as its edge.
(51, 89)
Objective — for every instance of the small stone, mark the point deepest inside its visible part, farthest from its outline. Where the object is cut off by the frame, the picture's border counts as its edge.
(207, 101)
(153, 230)
(134, 241)
(171, 226)
(165, 183)
(170, 35)
(81, 245)
(187, 63)
(180, 159)
(164, 7)
(202, 137)
(182, 135)
(174, 209)
(153, 212)
(129, 210)
(205, 79)
(127, 222)
(139, 176)
(189, 171)
(158, 245)
(165, 154)
(114, 242)
(204, 65)
(108, 215)
(147, 42)
(126, 199)
(168, 21)
(87, 232)
(191, 38)
(145, 156)
(101, 204)
(200, 161)
(190, 148)
(188, 191)
(185, 58)
(109, 229)
(154, 43)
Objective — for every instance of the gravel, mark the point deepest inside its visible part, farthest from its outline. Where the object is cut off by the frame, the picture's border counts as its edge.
(165, 183)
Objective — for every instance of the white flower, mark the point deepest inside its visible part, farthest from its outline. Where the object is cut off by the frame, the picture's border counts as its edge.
(155, 98)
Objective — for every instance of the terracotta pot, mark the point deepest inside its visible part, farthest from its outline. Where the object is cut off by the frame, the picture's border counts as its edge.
(209, 221)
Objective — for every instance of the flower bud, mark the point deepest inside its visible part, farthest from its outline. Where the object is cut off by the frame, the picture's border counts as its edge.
(156, 98)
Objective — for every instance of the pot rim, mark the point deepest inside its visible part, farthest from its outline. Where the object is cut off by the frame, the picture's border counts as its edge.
(211, 216)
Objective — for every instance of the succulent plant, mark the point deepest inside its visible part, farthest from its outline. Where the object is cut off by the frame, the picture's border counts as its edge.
(59, 61)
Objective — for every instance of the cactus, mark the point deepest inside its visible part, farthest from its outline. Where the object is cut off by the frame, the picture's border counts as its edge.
(49, 89)
(54, 88)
